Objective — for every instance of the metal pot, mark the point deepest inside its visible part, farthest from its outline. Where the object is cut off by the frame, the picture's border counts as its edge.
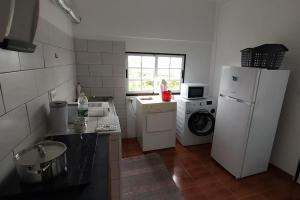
(41, 162)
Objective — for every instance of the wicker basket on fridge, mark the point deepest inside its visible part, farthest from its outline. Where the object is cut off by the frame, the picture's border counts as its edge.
(268, 56)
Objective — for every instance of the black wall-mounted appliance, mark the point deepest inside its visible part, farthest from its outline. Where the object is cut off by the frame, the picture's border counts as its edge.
(18, 23)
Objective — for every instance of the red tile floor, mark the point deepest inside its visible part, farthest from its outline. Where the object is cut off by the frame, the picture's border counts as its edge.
(199, 177)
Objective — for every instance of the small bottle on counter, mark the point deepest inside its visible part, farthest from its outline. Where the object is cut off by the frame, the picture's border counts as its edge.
(83, 105)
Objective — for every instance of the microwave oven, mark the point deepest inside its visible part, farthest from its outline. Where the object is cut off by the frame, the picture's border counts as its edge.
(194, 90)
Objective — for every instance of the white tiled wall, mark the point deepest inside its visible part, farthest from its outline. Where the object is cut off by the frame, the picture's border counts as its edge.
(26, 79)
(101, 68)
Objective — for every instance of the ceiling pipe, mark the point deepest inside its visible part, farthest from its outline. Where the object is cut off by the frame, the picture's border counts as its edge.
(62, 4)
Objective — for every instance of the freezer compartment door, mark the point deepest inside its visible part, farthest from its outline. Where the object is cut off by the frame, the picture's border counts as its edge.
(231, 134)
(239, 82)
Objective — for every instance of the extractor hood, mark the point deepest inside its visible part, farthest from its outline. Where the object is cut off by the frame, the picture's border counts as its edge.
(18, 23)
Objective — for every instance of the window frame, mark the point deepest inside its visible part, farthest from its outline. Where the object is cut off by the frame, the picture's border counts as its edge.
(155, 55)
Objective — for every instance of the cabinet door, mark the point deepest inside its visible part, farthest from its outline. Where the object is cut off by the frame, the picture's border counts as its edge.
(159, 122)
(239, 82)
(231, 133)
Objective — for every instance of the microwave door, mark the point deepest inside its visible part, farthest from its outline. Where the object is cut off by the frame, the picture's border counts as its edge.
(196, 92)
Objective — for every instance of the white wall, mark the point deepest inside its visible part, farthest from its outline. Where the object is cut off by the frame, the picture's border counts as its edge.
(168, 26)
(159, 26)
(244, 23)
(54, 15)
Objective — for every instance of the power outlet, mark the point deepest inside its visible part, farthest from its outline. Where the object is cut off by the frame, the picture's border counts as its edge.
(52, 95)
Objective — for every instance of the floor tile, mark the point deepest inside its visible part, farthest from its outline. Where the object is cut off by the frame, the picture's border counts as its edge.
(199, 177)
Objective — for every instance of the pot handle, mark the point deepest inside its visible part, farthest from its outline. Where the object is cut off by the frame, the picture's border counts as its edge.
(30, 171)
(41, 150)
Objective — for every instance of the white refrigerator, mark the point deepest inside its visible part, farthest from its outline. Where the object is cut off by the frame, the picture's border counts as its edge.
(249, 106)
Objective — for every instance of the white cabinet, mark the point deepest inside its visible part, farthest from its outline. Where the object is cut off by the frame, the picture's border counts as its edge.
(156, 123)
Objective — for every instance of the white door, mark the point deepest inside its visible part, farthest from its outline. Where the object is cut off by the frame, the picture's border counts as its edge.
(239, 82)
(231, 133)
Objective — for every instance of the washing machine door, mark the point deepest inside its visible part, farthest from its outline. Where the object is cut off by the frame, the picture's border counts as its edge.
(201, 123)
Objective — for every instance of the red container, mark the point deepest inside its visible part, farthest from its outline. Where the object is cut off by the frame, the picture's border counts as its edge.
(166, 95)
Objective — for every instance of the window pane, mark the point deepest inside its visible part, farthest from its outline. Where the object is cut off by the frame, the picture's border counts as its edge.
(174, 85)
(148, 74)
(147, 86)
(163, 73)
(176, 62)
(134, 86)
(134, 61)
(134, 73)
(163, 62)
(175, 74)
(148, 61)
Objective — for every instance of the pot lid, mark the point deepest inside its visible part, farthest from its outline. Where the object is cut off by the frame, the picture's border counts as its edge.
(42, 152)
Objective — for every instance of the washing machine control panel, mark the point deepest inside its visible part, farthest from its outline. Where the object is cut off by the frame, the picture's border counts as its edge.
(196, 105)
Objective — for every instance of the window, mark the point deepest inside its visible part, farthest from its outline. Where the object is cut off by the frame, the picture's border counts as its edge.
(146, 71)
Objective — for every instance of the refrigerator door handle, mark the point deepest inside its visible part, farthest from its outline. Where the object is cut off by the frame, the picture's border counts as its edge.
(240, 101)
(235, 99)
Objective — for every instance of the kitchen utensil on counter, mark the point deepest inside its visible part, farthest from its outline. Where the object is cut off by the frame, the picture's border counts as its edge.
(166, 95)
(41, 162)
(97, 111)
(83, 105)
(59, 116)
(73, 111)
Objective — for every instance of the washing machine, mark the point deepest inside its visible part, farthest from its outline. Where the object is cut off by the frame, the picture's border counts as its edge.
(195, 121)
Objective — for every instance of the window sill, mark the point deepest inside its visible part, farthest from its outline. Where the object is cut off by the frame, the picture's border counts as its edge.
(147, 94)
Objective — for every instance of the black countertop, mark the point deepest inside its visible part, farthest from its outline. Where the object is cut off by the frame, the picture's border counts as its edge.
(77, 187)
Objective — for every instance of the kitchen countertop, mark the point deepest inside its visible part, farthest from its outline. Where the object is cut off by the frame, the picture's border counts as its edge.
(155, 104)
(153, 100)
(93, 122)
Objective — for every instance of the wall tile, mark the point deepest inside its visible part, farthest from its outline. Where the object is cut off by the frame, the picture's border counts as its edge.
(38, 110)
(101, 92)
(66, 91)
(45, 80)
(80, 45)
(83, 70)
(114, 82)
(114, 59)
(100, 70)
(27, 142)
(86, 91)
(55, 56)
(42, 32)
(57, 37)
(32, 60)
(119, 92)
(88, 58)
(109, 71)
(2, 109)
(14, 127)
(61, 74)
(18, 88)
(86, 81)
(51, 56)
(119, 47)
(6, 166)
(9, 61)
(119, 70)
(100, 46)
